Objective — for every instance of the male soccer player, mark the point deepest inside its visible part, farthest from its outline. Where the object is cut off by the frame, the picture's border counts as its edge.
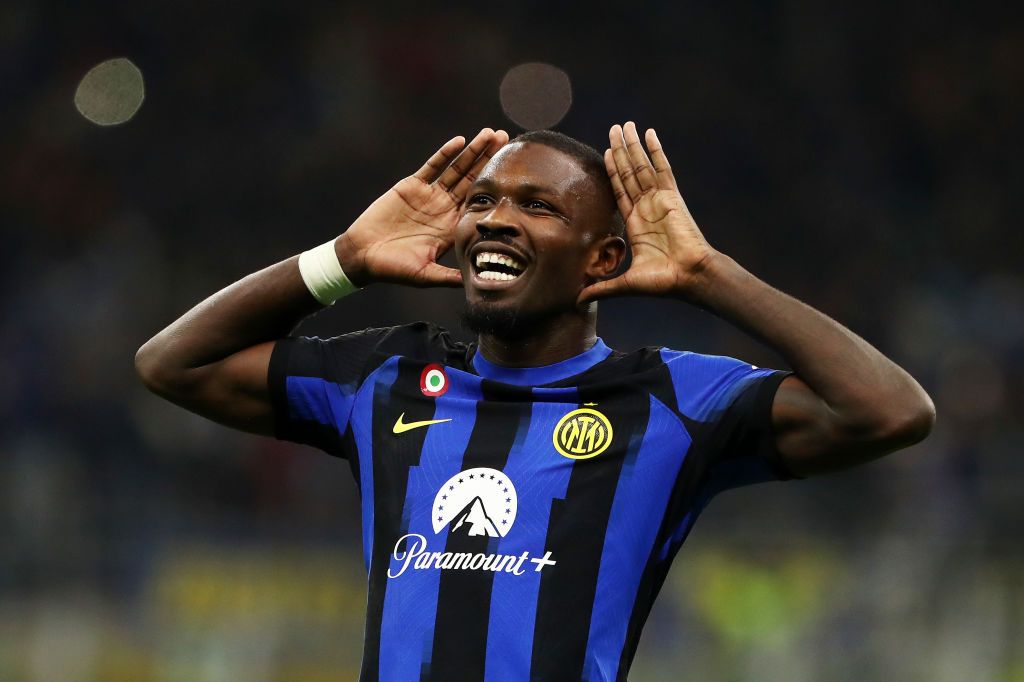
(524, 496)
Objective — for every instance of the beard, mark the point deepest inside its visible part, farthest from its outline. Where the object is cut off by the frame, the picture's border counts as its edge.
(503, 322)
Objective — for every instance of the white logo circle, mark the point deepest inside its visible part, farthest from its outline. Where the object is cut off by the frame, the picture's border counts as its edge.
(435, 380)
(476, 502)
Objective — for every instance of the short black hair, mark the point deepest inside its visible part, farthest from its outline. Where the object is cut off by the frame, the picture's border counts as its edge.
(592, 163)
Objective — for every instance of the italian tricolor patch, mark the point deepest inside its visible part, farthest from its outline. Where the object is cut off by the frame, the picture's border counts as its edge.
(433, 381)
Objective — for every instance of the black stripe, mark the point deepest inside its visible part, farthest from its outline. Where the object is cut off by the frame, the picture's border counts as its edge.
(464, 597)
(348, 446)
(392, 457)
(576, 534)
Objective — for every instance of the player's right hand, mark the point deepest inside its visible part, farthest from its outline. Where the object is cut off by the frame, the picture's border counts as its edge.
(402, 234)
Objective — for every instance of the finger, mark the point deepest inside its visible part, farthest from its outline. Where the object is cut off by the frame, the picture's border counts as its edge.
(638, 158)
(463, 163)
(662, 168)
(461, 188)
(621, 198)
(434, 275)
(441, 159)
(606, 289)
(623, 168)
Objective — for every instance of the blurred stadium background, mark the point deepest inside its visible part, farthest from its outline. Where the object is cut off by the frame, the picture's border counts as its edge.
(859, 157)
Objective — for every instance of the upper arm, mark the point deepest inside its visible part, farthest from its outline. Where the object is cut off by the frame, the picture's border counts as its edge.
(296, 388)
(812, 438)
(233, 391)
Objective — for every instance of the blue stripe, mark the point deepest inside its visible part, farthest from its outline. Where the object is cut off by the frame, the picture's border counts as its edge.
(641, 497)
(410, 608)
(321, 401)
(361, 422)
(546, 374)
(705, 385)
(540, 476)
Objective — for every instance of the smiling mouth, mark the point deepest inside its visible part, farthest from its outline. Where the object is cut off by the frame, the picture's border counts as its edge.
(489, 266)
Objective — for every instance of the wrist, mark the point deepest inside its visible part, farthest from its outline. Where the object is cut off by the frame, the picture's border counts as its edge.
(350, 260)
(701, 278)
(323, 274)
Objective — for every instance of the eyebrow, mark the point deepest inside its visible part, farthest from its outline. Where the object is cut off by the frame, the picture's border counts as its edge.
(528, 188)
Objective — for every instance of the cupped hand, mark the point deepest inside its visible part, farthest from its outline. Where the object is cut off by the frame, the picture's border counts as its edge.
(402, 234)
(668, 249)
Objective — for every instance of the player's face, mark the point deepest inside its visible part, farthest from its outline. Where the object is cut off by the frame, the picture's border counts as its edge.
(527, 237)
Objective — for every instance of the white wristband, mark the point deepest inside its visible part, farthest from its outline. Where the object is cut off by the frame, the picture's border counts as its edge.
(322, 273)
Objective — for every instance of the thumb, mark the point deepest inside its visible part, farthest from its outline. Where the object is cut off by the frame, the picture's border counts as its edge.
(606, 289)
(434, 275)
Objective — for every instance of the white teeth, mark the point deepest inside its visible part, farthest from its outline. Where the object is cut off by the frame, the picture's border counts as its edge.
(495, 275)
(507, 261)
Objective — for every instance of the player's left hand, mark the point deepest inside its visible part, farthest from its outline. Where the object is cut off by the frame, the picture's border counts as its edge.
(669, 251)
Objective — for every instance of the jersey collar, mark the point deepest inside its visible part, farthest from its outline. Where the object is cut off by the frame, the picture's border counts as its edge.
(545, 374)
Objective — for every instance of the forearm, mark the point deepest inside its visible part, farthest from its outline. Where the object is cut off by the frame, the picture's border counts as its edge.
(866, 392)
(263, 306)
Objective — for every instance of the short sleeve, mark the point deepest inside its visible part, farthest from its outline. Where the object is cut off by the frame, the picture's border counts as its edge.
(313, 383)
(727, 404)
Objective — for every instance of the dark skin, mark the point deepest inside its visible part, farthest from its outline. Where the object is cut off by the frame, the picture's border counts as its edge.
(537, 204)
(846, 404)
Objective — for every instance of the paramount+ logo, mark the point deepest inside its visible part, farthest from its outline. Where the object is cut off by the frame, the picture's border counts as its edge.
(478, 502)
(582, 434)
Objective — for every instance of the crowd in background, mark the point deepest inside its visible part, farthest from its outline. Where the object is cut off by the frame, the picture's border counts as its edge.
(861, 158)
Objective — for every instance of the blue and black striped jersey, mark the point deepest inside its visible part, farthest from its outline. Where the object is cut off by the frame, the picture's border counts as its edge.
(518, 523)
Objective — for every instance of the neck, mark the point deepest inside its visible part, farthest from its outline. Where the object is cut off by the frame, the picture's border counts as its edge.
(550, 341)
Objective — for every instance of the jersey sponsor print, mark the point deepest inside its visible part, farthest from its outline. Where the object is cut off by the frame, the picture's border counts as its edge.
(461, 505)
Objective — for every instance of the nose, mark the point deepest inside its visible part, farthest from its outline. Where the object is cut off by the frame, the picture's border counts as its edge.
(499, 221)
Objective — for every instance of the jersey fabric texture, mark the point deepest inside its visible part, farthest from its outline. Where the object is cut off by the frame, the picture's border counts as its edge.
(518, 523)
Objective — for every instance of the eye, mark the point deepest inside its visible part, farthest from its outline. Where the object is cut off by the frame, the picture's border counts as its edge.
(537, 205)
(478, 200)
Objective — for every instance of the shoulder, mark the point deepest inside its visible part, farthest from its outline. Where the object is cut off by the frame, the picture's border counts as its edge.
(706, 385)
(418, 340)
(352, 356)
(661, 359)
(424, 341)
(418, 337)
(693, 383)
(701, 362)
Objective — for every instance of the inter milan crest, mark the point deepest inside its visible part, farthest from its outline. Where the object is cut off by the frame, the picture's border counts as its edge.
(582, 434)
(433, 381)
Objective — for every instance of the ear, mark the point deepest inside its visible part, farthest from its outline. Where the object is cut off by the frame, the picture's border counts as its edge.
(606, 254)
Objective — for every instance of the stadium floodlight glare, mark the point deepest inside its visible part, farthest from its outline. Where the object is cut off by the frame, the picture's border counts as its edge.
(111, 92)
(535, 95)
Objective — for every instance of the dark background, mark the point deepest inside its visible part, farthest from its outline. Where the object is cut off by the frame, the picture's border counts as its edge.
(861, 157)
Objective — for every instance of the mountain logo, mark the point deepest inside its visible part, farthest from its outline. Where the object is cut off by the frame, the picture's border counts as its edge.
(476, 502)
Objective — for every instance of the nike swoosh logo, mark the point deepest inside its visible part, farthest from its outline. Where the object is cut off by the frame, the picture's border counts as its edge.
(402, 427)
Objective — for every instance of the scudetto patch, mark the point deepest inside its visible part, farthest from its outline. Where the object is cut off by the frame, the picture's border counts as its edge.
(433, 381)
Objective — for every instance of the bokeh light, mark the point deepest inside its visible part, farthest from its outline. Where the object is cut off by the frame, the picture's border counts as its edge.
(535, 95)
(111, 92)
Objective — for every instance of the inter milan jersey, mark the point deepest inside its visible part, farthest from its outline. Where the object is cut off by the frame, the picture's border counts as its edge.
(518, 523)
